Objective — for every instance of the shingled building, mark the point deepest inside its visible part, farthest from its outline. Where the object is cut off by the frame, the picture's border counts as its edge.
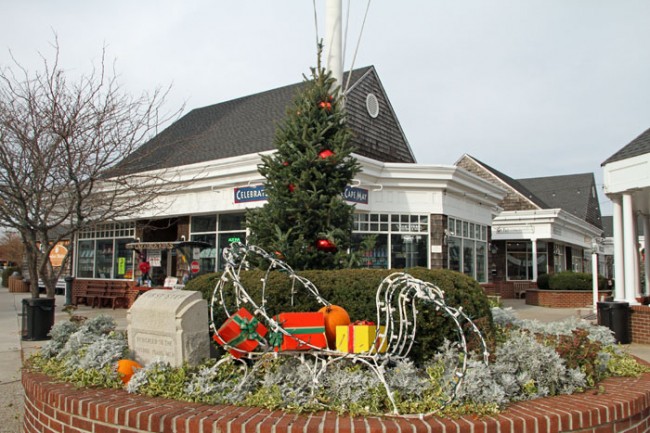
(548, 224)
(214, 152)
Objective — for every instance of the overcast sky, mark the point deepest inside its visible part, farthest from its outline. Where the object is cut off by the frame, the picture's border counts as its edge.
(531, 87)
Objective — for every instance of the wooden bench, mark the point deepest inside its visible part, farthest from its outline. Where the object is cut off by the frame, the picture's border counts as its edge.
(95, 293)
(103, 293)
(117, 295)
(520, 288)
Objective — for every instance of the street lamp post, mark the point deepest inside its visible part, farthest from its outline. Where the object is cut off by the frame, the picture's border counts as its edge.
(594, 272)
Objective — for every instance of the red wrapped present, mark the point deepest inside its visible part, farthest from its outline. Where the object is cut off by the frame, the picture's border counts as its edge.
(307, 331)
(241, 331)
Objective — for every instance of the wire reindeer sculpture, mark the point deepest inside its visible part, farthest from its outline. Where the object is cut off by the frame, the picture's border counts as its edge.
(396, 321)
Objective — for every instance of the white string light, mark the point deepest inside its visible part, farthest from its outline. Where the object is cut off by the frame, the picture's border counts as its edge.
(396, 311)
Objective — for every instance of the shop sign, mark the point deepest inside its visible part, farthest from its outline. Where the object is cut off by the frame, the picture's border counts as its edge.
(250, 193)
(154, 257)
(57, 255)
(356, 195)
(247, 194)
(121, 265)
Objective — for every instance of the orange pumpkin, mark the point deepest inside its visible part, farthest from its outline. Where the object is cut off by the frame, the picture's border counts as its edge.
(334, 316)
(126, 368)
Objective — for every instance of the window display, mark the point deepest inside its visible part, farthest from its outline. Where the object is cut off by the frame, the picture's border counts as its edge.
(405, 237)
(101, 252)
(219, 231)
(467, 248)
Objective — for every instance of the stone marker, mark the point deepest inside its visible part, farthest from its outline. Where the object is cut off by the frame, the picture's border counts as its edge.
(170, 326)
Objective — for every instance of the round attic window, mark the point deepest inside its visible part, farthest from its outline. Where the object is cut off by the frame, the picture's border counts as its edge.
(372, 105)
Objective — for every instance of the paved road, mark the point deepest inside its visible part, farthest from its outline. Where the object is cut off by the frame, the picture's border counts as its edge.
(13, 350)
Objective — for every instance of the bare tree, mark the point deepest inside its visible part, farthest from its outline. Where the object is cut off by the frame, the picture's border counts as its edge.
(61, 140)
(11, 248)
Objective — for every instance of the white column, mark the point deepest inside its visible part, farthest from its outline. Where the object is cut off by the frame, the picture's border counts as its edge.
(619, 256)
(630, 250)
(534, 241)
(646, 249)
(333, 40)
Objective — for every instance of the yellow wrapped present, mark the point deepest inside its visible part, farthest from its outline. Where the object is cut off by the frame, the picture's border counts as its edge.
(358, 337)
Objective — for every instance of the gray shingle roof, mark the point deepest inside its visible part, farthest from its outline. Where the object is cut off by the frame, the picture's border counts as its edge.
(247, 125)
(608, 226)
(574, 193)
(638, 146)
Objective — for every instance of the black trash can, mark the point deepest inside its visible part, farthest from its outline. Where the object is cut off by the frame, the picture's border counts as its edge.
(616, 316)
(38, 318)
(68, 290)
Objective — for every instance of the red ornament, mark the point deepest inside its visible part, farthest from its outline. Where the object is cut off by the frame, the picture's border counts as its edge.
(325, 245)
(325, 105)
(292, 188)
(286, 163)
(326, 154)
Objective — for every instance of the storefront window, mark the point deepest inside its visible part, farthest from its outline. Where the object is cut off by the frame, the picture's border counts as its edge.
(401, 240)
(558, 258)
(204, 223)
(519, 260)
(219, 231)
(454, 245)
(468, 257)
(102, 253)
(123, 261)
(481, 261)
(408, 251)
(372, 250)
(104, 259)
(208, 256)
(576, 259)
(466, 248)
(225, 239)
(85, 259)
(232, 222)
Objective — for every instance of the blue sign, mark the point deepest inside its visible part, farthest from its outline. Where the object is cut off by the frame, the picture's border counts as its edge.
(356, 195)
(250, 193)
(257, 193)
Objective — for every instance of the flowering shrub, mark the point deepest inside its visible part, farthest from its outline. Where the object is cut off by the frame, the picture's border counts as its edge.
(531, 360)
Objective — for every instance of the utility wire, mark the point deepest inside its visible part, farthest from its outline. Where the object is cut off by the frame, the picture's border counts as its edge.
(356, 50)
(316, 26)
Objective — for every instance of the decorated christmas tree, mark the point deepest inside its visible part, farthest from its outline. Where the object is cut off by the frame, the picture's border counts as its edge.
(306, 221)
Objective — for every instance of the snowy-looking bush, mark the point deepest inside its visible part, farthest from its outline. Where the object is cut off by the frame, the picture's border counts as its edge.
(531, 360)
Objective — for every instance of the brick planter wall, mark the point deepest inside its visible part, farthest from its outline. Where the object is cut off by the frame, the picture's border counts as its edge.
(624, 407)
(640, 324)
(562, 298)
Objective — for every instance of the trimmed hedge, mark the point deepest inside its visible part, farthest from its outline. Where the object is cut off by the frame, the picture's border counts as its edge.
(569, 281)
(355, 290)
(543, 282)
